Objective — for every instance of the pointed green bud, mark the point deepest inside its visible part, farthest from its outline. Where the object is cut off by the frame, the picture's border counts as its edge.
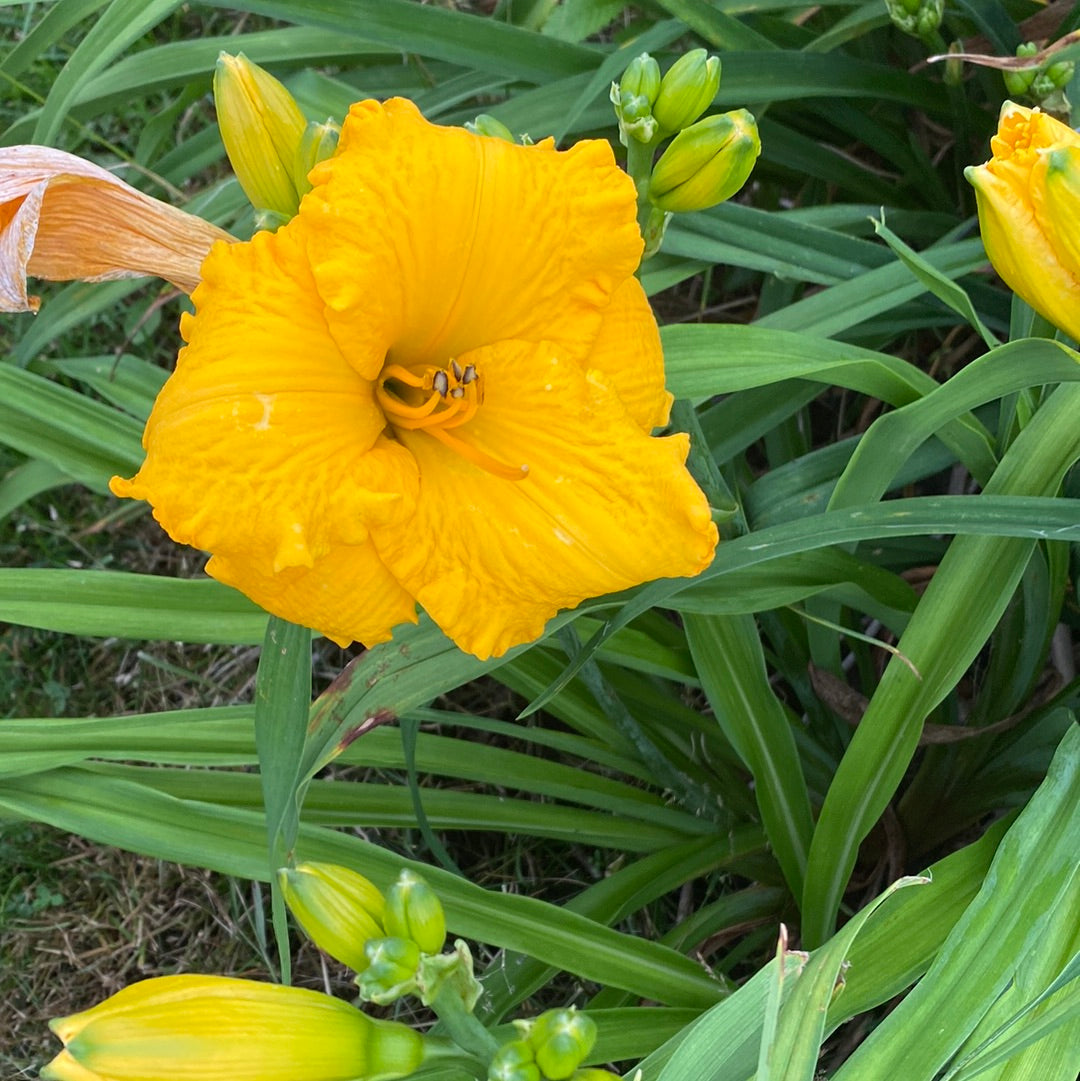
(560, 1040)
(318, 143)
(391, 969)
(686, 91)
(1060, 73)
(414, 912)
(1018, 81)
(633, 96)
(489, 126)
(706, 163)
(514, 1061)
(338, 909)
(262, 128)
(641, 78)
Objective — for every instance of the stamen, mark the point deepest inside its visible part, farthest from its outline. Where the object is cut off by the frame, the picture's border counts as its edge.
(450, 397)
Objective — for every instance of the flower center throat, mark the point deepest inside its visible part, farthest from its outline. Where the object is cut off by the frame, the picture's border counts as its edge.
(436, 401)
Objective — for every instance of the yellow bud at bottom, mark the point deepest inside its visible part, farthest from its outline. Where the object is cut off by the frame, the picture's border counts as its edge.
(217, 1029)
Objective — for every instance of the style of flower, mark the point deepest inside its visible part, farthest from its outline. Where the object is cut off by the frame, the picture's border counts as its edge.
(53, 206)
(214, 1028)
(1029, 205)
(436, 384)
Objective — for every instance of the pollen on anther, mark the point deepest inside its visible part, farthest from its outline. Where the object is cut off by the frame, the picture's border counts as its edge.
(441, 383)
(456, 369)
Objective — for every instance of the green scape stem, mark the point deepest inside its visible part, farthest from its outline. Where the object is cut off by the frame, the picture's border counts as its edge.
(639, 163)
(464, 1028)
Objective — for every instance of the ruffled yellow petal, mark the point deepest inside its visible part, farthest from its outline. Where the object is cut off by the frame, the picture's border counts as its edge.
(603, 507)
(266, 448)
(442, 241)
(63, 218)
(628, 352)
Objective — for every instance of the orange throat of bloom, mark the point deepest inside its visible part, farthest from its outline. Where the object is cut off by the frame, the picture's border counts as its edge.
(436, 401)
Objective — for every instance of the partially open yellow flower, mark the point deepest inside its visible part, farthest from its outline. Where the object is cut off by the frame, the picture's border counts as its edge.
(212, 1028)
(436, 384)
(1029, 209)
(63, 218)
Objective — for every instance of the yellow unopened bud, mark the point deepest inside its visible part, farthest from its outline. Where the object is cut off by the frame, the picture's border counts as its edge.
(686, 91)
(514, 1061)
(414, 912)
(338, 909)
(262, 128)
(1029, 205)
(560, 1040)
(218, 1029)
(706, 163)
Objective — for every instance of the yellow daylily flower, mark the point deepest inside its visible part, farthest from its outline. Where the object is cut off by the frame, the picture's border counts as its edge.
(436, 384)
(1029, 205)
(214, 1028)
(63, 218)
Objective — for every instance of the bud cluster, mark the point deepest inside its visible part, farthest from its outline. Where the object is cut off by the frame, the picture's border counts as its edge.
(1043, 84)
(549, 1048)
(707, 161)
(919, 18)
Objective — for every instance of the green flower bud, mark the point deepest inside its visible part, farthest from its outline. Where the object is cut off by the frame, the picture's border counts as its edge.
(706, 163)
(560, 1040)
(338, 909)
(391, 969)
(633, 96)
(414, 912)
(318, 143)
(1060, 73)
(686, 91)
(641, 78)
(488, 125)
(514, 1061)
(262, 127)
(592, 1073)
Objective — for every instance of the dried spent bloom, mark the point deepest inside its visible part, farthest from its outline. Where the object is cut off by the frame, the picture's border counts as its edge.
(63, 218)
(1029, 206)
(213, 1028)
(436, 384)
